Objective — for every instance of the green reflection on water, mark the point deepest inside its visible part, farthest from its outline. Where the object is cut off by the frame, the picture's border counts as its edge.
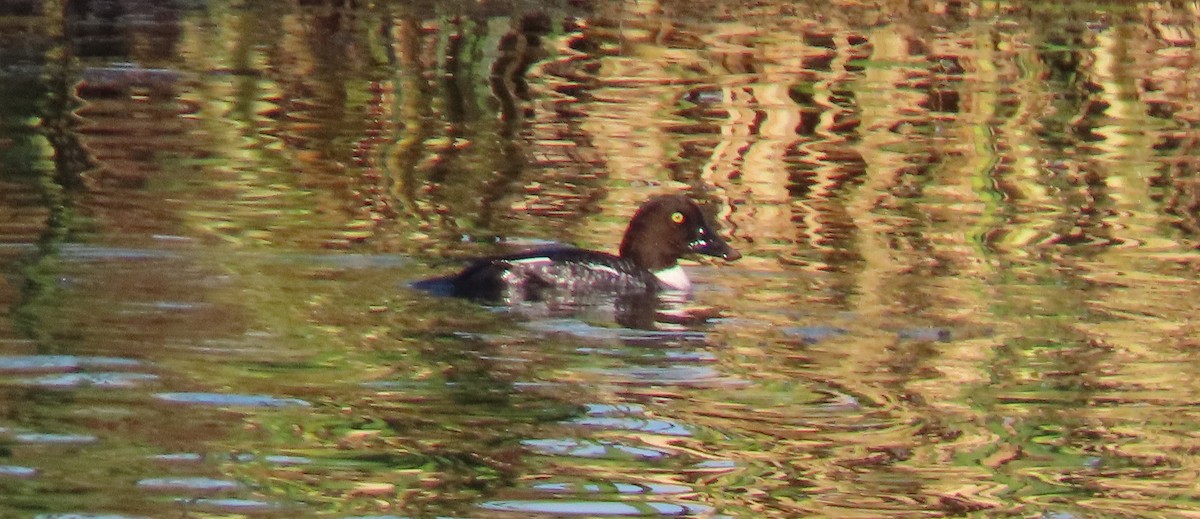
(967, 287)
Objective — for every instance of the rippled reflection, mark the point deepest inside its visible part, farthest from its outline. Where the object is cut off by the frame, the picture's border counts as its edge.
(969, 232)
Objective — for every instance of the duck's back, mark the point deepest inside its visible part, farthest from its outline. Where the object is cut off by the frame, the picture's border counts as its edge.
(552, 274)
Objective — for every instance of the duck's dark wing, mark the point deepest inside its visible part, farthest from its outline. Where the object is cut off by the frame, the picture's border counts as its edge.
(481, 279)
(539, 275)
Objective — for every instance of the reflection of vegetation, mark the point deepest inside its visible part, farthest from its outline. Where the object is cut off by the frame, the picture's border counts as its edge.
(48, 99)
(1019, 176)
(457, 166)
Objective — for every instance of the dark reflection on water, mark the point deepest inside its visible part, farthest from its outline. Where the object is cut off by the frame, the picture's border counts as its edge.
(969, 233)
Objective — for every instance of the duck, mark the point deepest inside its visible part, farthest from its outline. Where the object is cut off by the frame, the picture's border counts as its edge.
(664, 229)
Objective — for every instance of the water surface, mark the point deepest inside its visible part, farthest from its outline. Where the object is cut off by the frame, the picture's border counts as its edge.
(969, 277)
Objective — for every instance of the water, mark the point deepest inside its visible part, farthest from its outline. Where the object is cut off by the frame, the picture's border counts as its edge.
(968, 283)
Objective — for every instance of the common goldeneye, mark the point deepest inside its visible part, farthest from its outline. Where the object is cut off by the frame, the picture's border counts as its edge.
(662, 230)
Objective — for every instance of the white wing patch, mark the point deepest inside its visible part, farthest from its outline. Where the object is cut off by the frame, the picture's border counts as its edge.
(605, 268)
(530, 262)
(674, 278)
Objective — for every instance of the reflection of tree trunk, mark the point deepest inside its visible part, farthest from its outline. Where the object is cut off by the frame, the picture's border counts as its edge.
(58, 119)
(58, 126)
(39, 283)
(455, 72)
(518, 50)
(412, 103)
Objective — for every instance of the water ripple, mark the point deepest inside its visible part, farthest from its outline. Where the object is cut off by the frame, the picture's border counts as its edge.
(60, 363)
(280, 459)
(195, 484)
(618, 488)
(85, 516)
(616, 508)
(231, 400)
(645, 425)
(813, 334)
(595, 449)
(583, 330)
(104, 380)
(17, 471)
(231, 505)
(179, 457)
(655, 354)
(688, 376)
(51, 438)
(193, 457)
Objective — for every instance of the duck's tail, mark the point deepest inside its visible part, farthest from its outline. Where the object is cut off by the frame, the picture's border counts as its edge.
(440, 286)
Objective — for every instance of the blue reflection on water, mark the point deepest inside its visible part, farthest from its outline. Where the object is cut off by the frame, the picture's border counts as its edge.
(231, 400)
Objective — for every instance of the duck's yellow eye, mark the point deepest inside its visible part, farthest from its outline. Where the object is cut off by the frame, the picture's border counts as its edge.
(677, 217)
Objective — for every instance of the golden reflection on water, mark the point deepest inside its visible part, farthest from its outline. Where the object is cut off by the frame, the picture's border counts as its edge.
(969, 235)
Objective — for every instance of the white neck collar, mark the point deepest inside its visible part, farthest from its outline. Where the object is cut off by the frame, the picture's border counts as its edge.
(673, 278)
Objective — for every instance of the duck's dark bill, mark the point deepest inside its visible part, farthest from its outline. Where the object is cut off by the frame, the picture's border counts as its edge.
(717, 248)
